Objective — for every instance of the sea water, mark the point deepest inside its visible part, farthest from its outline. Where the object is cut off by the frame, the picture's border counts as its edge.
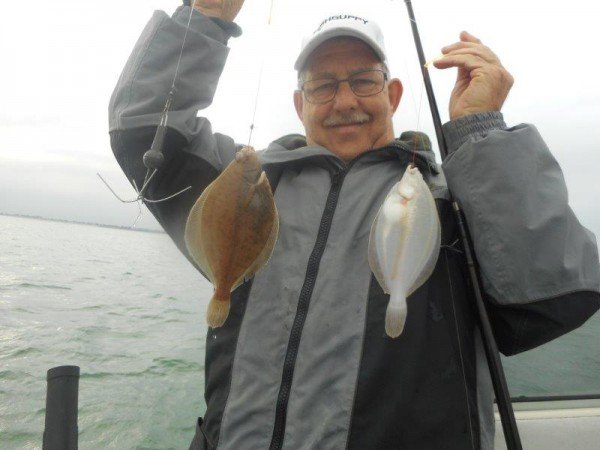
(129, 309)
(126, 307)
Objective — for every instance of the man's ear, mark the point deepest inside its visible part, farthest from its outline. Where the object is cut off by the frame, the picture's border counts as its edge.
(298, 103)
(395, 90)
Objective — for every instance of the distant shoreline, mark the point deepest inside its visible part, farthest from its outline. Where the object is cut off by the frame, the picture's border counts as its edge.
(118, 227)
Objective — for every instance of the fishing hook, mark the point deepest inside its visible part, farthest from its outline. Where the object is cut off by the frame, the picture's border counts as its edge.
(154, 158)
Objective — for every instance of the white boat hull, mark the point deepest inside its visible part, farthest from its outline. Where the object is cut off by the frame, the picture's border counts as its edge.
(555, 425)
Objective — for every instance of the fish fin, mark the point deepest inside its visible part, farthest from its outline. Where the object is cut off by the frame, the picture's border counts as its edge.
(374, 257)
(254, 188)
(241, 280)
(395, 315)
(267, 251)
(218, 310)
(193, 235)
(432, 252)
(249, 196)
(263, 258)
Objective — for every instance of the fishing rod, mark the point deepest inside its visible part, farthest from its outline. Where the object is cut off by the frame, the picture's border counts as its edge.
(507, 415)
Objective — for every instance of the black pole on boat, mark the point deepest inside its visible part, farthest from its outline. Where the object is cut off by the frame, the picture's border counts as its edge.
(60, 430)
(507, 415)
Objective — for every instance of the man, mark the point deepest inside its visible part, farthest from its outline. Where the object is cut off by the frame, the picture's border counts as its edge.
(302, 361)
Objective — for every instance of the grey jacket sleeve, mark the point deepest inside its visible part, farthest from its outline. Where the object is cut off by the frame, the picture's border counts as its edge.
(535, 257)
(194, 154)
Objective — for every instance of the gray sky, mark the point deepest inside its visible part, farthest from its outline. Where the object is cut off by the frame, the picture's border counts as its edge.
(61, 60)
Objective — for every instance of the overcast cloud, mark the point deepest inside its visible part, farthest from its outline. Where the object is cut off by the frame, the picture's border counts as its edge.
(61, 60)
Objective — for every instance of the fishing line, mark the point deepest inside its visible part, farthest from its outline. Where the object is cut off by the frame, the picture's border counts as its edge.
(256, 101)
(260, 74)
(460, 353)
(187, 28)
(415, 137)
(416, 107)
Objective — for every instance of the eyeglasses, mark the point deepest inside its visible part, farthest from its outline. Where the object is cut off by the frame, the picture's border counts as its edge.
(363, 84)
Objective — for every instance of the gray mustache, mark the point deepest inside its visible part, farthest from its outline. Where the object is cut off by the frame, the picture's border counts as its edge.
(346, 119)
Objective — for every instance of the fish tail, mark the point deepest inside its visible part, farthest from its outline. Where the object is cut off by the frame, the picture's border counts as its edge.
(218, 309)
(395, 316)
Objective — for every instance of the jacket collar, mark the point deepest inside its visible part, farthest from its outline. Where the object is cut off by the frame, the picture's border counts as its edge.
(292, 149)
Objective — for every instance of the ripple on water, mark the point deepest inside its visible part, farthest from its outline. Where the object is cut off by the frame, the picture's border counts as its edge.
(128, 334)
(151, 317)
(38, 286)
(94, 329)
(91, 308)
(106, 375)
(16, 437)
(23, 310)
(175, 310)
(172, 321)
(21, 352)
(176, 364)
(11, 375)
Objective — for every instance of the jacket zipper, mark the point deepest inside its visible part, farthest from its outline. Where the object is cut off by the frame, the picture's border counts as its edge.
(302, 310)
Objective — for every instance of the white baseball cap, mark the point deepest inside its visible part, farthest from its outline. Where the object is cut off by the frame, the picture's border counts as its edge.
(343, 25)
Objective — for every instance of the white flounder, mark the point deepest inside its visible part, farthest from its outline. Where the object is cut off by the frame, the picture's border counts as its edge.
(404, 244)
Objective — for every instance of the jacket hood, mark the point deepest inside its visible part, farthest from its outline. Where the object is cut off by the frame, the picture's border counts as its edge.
(292, 148)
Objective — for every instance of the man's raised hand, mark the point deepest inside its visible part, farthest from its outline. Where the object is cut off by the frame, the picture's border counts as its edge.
(222, 9)
(482, 83)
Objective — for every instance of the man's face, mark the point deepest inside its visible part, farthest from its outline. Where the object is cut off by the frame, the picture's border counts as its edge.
(348, 125)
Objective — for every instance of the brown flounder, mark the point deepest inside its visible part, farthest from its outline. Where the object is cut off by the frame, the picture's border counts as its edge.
(232, 228)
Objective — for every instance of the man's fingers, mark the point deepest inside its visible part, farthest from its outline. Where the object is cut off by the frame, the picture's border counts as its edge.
(207, 3)
(467, 40)
(223, 9)
(463, 45)
(477, 50)
(457, 45)
(482, 83)
(468, 37)
(476, 65)
(466, 61)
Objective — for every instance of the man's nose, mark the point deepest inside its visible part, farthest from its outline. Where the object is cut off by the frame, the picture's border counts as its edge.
(345, 98)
